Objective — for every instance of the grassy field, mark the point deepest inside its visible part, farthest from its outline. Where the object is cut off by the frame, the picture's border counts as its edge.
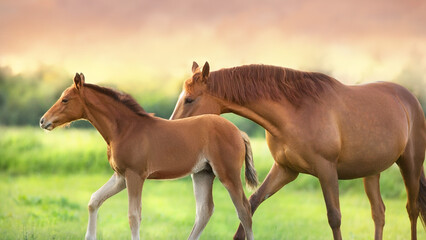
(46, 180)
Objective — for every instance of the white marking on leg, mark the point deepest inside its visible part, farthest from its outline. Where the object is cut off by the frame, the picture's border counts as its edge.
(200, 165)
(134, 184)
(203, 183)
(114, 185)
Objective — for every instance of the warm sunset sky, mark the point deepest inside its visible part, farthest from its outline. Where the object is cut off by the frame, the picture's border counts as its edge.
(354, 41)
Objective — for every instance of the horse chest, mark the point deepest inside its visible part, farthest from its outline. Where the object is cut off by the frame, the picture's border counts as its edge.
(115, 159)
(288, 155)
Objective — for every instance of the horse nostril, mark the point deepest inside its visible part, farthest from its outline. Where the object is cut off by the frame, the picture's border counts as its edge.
(41, 120)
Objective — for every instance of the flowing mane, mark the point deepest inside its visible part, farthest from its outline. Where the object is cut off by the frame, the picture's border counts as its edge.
(123, 98)
(252, 82)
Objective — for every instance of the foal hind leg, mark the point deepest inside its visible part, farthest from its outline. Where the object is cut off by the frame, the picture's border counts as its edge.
(114, 185)
(277, 177)
(410, 165)
(372, 189)
(232, 183)
(203, 184)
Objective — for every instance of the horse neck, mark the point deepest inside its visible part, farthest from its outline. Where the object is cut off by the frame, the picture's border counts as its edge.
(264, 113)
(106, 114)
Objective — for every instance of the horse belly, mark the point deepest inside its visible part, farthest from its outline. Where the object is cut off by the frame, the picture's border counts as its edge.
(177, 165)
(363, 167)
(374, 132)
(369, 157)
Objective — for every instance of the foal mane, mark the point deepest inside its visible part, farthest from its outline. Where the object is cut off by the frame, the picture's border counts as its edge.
(252, 82)
(121, 97)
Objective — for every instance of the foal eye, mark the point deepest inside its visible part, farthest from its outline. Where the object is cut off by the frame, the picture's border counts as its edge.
(64, 100)
(188, 100)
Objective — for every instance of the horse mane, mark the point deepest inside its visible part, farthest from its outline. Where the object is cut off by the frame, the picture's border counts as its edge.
(124, 98)
(252, 82)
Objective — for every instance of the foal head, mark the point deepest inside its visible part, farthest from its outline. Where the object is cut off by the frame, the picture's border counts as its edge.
(68, 108)
(194, 98)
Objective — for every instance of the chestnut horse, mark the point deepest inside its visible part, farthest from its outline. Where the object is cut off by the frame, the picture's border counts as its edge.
(141, 146)
(316, 125)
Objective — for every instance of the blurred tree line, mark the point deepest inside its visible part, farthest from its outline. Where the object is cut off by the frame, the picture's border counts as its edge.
(25, 97)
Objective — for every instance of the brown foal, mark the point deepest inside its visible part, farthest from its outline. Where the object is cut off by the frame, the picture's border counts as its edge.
(316, 125)
(141, 146)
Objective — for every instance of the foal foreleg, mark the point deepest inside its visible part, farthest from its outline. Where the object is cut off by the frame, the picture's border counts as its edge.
(134, 189)
(114, 185)
(203, 184)
(372, 188)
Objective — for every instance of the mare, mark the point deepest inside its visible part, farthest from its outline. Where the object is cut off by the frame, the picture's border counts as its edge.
(141, 146)
(316, 125)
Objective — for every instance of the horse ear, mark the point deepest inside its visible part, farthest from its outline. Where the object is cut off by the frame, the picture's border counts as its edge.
(206, 71)
(78, 80)
(83, 80)
(195, 67)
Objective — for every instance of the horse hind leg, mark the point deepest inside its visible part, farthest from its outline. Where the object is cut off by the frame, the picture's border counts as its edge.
(203, 184)
(411, 166)
(372, 189)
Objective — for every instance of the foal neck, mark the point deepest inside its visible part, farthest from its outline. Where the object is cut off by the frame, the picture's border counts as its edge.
(110, 117)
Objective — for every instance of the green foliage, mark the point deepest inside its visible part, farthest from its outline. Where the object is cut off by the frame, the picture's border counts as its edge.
(24, 98)
(32, 150)
(245, 125)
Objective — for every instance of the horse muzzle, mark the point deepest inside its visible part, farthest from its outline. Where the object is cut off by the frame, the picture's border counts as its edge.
(47, 125)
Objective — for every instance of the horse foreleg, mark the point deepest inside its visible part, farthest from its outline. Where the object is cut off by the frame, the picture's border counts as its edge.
(203, 184)
(372, 188)
(327, 175)
(277, 177)
(114, 185)
(134, 189)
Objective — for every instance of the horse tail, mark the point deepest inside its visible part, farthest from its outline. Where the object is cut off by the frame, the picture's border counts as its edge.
(250, 172)
(421, 199)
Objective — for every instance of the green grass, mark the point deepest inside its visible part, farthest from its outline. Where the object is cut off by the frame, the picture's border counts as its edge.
(46, 180)
(54, 207)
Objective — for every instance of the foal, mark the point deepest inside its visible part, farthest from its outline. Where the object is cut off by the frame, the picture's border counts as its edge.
(142, 147)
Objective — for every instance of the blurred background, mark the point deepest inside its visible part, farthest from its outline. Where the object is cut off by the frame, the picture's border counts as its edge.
(146, 48)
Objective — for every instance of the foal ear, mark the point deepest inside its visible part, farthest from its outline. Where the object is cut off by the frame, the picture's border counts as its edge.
(206, 71)
(79, 80)
(195, 67)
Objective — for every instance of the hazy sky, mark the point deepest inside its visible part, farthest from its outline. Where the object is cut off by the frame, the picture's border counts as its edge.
(354, 41)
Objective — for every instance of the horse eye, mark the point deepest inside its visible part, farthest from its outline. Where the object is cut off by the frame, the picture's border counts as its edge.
(188, 100)
(64, 100)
